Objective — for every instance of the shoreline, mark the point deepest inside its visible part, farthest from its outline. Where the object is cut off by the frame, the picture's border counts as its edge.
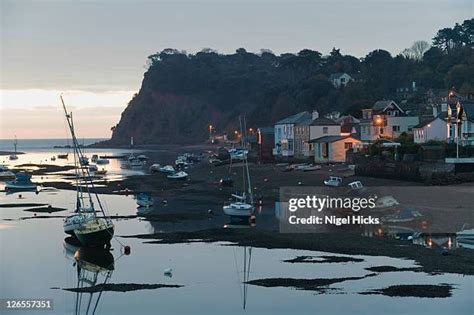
(185, 216)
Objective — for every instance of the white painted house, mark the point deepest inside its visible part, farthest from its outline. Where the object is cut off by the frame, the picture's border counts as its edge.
(385, 120)
(466, 121)
(285, 134)
(323, 126)
(340, 79)
(330, 149)
(430, 130)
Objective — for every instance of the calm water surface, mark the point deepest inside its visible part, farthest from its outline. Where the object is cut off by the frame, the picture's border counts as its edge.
(34, 262)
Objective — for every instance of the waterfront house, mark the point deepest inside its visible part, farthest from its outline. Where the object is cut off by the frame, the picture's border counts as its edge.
(340, 79)
(285, 134)
(266, 143)
(302, 134)
(385, 120)
(330, 149)
(465, 118)
(430, 130)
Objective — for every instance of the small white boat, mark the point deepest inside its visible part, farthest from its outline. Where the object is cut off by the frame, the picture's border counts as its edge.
(238, 209)
(178, 175)
(14, 156)
(333, 181)
(310, 168)
(155, 168)
(167, 169)
(356, 186)
(386, 202)
(6, 175)
(135, 162)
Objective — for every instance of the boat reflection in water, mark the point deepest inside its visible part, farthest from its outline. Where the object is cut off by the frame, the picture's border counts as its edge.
(243, 272)
(94, 268)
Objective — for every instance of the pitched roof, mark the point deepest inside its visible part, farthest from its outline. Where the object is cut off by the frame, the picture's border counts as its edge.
(329, 139)
(266, 130)
(429, 121)
(323, 121)
(294, 119)
(349, 127)
(381, 105)
(469, 110)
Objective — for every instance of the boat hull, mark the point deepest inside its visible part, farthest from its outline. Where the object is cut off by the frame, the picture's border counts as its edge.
(13, 186)
(98, 238)
(238, 211)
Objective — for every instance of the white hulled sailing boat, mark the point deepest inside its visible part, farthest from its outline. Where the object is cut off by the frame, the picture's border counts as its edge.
(85, 223)
(14, 156)
(243, 204)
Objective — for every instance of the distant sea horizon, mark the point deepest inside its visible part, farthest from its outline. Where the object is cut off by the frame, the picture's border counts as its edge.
(35, 144)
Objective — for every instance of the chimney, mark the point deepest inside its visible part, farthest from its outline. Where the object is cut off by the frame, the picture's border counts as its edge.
(413, 86)
(435, 111)
(315, 114)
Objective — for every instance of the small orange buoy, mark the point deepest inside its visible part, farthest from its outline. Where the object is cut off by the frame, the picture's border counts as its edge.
(126, 250)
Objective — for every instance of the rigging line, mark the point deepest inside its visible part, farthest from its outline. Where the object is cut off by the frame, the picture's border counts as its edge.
(81, 156)
(100, 294)
(237, 273)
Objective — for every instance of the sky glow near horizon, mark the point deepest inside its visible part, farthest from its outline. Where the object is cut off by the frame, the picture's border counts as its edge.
(94, 52)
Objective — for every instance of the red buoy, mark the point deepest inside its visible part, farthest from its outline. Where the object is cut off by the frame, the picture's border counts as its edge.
(126, 250)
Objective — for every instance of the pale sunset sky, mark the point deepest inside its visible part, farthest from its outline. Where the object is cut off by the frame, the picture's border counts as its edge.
(94, 52)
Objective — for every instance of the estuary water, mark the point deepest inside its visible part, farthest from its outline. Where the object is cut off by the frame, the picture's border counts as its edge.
(36, 263)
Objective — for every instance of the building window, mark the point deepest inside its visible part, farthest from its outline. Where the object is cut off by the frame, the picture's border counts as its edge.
(347, 145)
(325, 130)
(396, 128)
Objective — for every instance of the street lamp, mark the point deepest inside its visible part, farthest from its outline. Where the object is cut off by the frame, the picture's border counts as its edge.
(429, 126)
(210, 132)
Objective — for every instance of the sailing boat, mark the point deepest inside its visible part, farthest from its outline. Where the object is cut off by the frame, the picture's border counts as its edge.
(14, 156)
(243, 204)
(84, 223)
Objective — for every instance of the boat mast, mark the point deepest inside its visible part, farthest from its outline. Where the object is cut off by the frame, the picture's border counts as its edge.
(79, 191)
(15, 143)
(242, 145)
(247, 168)
(77, 151)
(80, 156)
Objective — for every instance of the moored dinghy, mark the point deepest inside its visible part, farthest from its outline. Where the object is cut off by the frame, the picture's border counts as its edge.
(181, 175)
(144, 200)
(21, 182)
(167, 169)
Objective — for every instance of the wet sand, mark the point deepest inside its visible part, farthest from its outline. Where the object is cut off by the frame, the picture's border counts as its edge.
(192, 209)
